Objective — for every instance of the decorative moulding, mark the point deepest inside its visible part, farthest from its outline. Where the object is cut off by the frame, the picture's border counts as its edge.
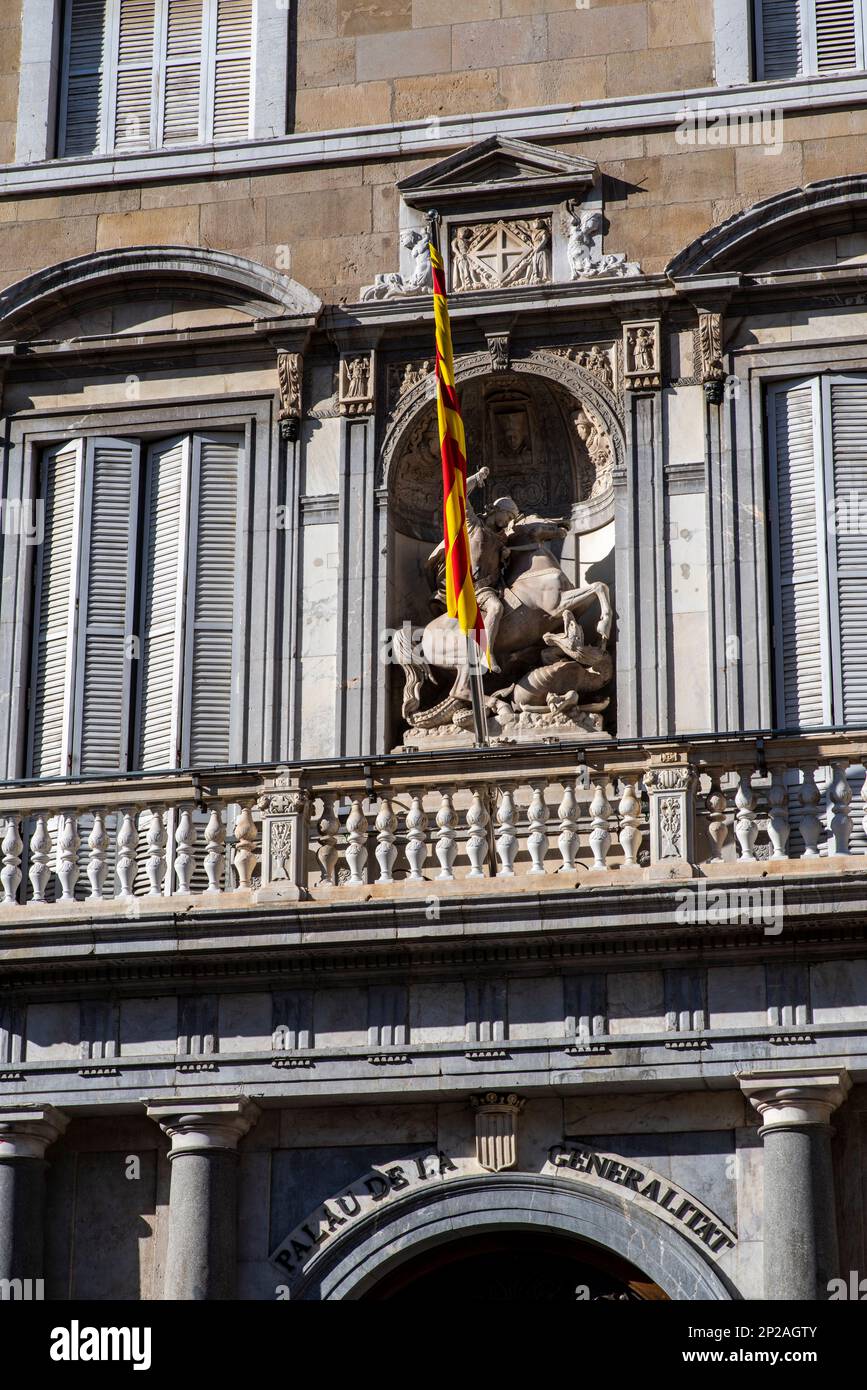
(496, 170)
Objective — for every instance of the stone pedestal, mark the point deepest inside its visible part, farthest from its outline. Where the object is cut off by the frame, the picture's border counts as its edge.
(25, 1133)
(203, 1202)
(799, 1227)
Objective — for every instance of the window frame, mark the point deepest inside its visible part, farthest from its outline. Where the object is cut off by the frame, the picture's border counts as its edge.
(41, 107)
(809, 55)
(107, 143)
(821, 383)
(32, 436)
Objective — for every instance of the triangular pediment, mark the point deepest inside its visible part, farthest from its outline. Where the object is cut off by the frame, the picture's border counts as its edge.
(495, 167)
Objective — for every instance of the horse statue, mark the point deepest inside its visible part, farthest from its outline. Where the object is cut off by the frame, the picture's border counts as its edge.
(540, 646)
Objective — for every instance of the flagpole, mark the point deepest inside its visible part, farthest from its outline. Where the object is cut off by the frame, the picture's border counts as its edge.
(477, 691)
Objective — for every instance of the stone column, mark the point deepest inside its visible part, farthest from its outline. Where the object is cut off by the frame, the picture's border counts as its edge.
(25, 1133)
(203, 1201)
(799, 1227)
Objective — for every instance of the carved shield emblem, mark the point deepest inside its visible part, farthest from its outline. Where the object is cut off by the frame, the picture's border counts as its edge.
(497, 1130)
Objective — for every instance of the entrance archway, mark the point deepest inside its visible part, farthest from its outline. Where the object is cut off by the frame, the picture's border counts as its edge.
(498, 1204)
(515, 1267)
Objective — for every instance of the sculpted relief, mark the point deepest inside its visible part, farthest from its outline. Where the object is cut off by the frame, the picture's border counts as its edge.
(548, 636)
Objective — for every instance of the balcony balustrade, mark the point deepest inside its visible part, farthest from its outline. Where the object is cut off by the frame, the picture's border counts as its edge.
(497, 820)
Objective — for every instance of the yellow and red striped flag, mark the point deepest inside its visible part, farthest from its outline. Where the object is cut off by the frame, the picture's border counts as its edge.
(460, 590)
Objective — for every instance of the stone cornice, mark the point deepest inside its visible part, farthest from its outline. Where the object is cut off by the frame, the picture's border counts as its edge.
(518, 931)
(414, 139)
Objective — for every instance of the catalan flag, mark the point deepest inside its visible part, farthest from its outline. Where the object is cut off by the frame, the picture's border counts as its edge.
(460, 591)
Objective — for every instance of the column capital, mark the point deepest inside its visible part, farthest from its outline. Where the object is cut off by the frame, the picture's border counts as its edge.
(27, 1130)
(787, 1100)
(197, 1124)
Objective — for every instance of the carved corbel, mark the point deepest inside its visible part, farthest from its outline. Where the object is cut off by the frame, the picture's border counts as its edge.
(642, 355)
(290, 373)
(712, 371)
(356, 384)
(500, 351)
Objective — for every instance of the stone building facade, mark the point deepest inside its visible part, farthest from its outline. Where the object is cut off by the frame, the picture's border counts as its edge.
(302, 993)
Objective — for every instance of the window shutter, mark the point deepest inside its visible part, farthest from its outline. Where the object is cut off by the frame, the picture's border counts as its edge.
(780, 40)
(848, 546)
(106, 606)
(182, 73)
(57, 583)
(162, 646)
(836, 43)
(798, 497)
(211, 609)
(135, 75)
(83, 105)
(232, 71)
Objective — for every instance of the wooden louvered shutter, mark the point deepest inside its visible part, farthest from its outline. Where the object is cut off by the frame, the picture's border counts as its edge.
(165, 543)
(183, 91)
(836, 36)
(57, 588)
(103, 681)
(210, 605)
(85, 84)
(232, 69)
(779, 38)
(134, 94)
(846, 476)
(801, 621)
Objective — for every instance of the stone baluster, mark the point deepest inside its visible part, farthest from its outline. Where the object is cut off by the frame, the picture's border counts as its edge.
(600, 835)
(567, 840)
(631, 835)
(329, 829)
(40, 856)
(447, 840)
(537, 839)
(507, 840)
(810, 826)
(778, 814)
(68, 843)
(717, 824)
(477, 841)
(416, 839)
(155, 864)
(10, 874)
(215, 850)
(386, 849)
(97, 845)
(356, 848)
(127, 841)
(185, 847)
(839, 797)
(246, 854)
(746, 829)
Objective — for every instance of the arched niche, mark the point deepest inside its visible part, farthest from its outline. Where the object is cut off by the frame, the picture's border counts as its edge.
(550, 431)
